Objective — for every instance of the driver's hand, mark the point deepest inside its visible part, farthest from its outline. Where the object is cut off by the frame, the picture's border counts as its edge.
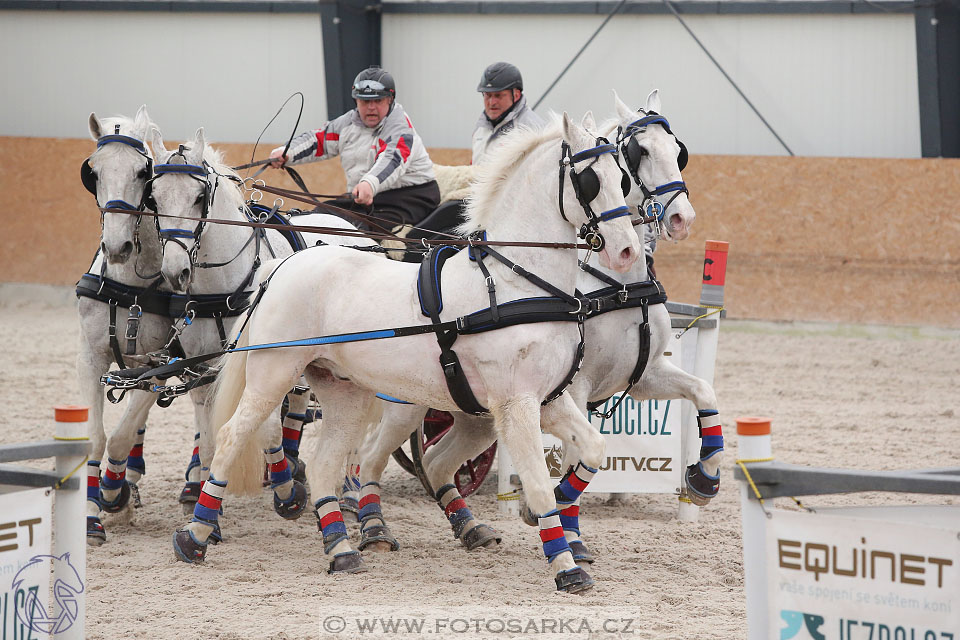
(363, 193)
(277, 157)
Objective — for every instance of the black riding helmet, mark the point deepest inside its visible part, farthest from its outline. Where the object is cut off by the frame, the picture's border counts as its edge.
(372, 83)
(500, 76)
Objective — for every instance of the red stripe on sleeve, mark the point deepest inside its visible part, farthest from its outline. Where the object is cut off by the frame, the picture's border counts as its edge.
(713, 431)
(403, 149)
(546, 535)
(454, 506)
(330, 518)
(365, 500)
(209, 501)
(577, 483)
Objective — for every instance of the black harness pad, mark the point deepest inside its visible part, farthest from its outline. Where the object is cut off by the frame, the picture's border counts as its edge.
(161, 303)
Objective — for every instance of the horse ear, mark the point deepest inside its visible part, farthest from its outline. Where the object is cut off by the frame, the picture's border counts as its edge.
(96, 129)
(623, 111)
(156, 141)
(141, 122)
(575, 136)
(587, 122)
(653, 101)
(199, 146)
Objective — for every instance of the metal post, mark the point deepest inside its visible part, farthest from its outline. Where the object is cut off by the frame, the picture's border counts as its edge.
(753, 442)
(69, 530)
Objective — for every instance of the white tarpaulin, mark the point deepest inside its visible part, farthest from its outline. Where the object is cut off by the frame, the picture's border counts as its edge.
(642, 450)
(25, 526)
(839, 577)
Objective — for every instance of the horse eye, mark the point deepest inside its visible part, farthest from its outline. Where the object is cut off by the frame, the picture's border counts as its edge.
(199, 198)
(142, 174)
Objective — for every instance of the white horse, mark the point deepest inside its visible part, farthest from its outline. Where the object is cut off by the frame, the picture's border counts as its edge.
(127, 263)
(511, 370)
(201, 259)
(605, 370)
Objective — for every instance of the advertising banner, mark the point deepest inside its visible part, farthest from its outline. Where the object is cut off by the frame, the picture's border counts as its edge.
(642, 451)
(835, 577)
(25, 527)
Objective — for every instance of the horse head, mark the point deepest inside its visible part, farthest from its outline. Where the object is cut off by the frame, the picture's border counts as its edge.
(116, 174)
(593, 197)
(180, 189)
(653, 158)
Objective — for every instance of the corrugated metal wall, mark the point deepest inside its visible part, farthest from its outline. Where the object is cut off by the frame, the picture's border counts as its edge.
(830, 85)
(227, 72)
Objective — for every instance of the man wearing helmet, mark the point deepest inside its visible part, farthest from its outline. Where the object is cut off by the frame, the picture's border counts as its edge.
(504, 107)
(385, 161)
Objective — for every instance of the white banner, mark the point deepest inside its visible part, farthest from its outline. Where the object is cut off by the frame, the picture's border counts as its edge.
(642, 452)
(25, 526)
(835, 577)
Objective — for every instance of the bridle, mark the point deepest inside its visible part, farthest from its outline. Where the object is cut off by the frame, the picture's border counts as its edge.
(89, 178)
(586, 186)
(177, 164)
(633, 155)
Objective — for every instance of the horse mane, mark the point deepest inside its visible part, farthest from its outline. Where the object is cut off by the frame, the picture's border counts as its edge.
(499, 166)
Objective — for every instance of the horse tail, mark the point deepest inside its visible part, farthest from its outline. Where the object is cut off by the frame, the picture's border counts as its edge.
(246, 462)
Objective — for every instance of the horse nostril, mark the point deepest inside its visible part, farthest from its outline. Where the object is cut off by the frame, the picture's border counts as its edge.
(127, 248)
(184, 277)
(627, 254)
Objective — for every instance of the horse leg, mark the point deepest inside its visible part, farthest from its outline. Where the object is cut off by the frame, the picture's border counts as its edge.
(89, 370)
(467, 438)
(289, 495)
(664, 381)
(239, 445)
(346, 410)
(517, 423)
(293, 420)
(136, 467)
(350, 490)
(114, 489)
(587, 443)
(193, 479)
(394, 429)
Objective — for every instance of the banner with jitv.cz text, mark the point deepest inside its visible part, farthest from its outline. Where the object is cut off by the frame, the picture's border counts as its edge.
(642, 448)
(834, 577)
(25, 528)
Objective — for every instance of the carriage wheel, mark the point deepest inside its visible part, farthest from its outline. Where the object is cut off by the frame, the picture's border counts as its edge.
(470, 475)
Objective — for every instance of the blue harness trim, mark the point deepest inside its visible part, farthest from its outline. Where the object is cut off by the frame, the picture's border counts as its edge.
(612, 214)
(127, 140)
(191, 169)
(384, 396)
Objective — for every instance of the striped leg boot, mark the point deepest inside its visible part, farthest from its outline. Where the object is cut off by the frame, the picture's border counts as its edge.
(292, 432)
(567, 494)
(193, 476)
(554, 546)
(136, 468)
(114, 490)
(350, 492)
(703, 478)
(190, 542)
(335, 542)
(472, 534)
(373, 529)
(289, 496)
(96, 535)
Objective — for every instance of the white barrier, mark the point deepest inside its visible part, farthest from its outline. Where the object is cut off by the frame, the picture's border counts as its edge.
(853, 573)
(662, 439)
(30, 607)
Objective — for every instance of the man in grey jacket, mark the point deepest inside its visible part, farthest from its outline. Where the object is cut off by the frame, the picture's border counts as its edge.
(504, 107)
(389, 173)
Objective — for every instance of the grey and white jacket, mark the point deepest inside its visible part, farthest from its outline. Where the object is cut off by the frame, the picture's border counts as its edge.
(486, 136)
(388, 156)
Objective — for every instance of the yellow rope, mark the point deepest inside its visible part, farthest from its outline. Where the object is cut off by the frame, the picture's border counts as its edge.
(683, 498)
(70, 439)
(67, 477)
(743, 465)
(700, 317)
(510, 495)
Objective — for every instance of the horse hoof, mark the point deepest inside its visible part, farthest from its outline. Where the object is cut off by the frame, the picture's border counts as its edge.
(350, 508)
(135, 495)
(528, 516)
(580, 552)
(481, 536)
(189, 496)
(293, 507)
(188, 548)
(349, 562)
(298, 468)
(216, 536)
(701, 486)
(378, 539)
(96, 535)
(573, 580)
(119, 503)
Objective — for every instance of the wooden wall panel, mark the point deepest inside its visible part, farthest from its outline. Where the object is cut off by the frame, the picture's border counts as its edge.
(811, 239)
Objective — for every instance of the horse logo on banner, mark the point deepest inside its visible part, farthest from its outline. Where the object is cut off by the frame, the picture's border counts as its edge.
(31, 608)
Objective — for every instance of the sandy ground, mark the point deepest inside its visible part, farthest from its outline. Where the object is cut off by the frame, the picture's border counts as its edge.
(856, 397)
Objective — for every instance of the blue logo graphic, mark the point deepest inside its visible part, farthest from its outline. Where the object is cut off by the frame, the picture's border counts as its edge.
(796, 620)
(31, 609)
